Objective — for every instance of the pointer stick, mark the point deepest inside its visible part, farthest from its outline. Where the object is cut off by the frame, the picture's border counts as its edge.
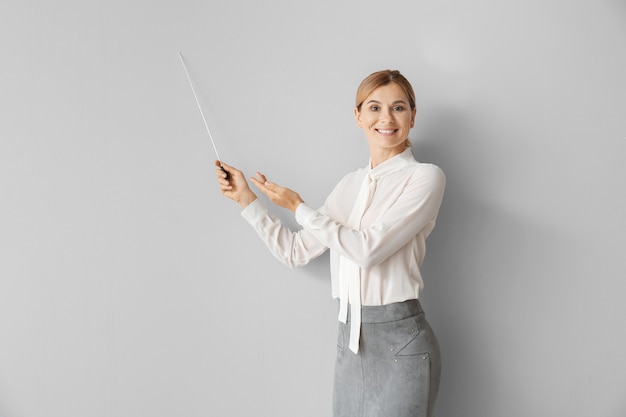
(193, 90)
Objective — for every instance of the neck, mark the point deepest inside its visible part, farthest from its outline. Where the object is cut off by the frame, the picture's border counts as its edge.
(379, 156)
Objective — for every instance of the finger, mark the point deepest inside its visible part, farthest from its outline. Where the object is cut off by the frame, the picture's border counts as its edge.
(271, 186)
(260, 185)
(261, 177)
(220, 173)
(223, 182)
(226, 170)
(220, 166)
(229, 170)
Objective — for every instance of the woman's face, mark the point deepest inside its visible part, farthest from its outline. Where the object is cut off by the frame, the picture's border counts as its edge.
(386, 118)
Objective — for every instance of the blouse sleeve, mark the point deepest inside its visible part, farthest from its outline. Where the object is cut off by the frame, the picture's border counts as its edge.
(291, 248)
(414, 211)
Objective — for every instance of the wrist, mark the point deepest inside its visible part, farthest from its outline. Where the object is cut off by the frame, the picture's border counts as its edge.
(246, 200)
(297, 203)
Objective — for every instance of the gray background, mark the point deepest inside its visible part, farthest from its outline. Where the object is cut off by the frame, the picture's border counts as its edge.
(130, 287)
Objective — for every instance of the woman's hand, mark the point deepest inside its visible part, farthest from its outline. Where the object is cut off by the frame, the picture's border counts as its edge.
(236, 187)
(281, 196)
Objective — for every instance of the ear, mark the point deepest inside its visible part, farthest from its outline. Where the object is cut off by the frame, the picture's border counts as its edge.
(413, 118)
(357, 117)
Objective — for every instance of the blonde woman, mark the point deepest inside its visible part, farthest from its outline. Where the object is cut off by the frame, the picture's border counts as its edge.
(375, 223)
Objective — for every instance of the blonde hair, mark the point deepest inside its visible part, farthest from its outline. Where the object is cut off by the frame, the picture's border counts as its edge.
(382, 78)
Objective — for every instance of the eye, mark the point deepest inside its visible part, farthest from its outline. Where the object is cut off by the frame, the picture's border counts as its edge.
(398, 108)
(374, 108)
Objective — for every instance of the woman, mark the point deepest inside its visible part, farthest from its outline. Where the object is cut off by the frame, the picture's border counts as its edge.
(375, 223)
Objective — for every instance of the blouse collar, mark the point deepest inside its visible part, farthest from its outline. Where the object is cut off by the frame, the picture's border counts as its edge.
(392, 164)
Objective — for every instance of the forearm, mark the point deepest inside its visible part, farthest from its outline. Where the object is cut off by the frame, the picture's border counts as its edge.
(246, 199)
(413, 213)
(291, 248)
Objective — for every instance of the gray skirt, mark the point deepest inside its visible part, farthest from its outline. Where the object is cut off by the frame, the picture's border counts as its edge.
(396, 372)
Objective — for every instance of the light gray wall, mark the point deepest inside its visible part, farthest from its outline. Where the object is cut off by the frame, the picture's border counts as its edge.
(130, 287)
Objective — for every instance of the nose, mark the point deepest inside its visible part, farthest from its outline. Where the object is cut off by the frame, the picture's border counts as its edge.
(386, 115)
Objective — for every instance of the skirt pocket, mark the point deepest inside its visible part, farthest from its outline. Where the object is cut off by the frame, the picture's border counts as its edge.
(410, 393)
(419, 369)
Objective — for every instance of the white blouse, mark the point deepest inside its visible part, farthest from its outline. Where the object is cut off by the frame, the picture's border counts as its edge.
(376, 259)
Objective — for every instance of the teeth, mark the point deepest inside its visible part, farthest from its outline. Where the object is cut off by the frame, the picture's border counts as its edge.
(385, 131)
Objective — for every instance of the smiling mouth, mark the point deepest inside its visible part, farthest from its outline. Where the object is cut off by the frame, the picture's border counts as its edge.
(386, 132)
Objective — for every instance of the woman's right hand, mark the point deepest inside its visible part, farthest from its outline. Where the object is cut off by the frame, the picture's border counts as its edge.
(236, 187)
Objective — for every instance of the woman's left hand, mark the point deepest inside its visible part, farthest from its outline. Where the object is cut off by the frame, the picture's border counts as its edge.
(281, 196)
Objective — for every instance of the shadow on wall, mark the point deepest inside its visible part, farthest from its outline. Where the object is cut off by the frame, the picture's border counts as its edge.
(501, 284)
(470, 270)
(452, 273)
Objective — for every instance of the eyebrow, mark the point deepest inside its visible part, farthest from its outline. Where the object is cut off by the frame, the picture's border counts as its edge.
(378, 102)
